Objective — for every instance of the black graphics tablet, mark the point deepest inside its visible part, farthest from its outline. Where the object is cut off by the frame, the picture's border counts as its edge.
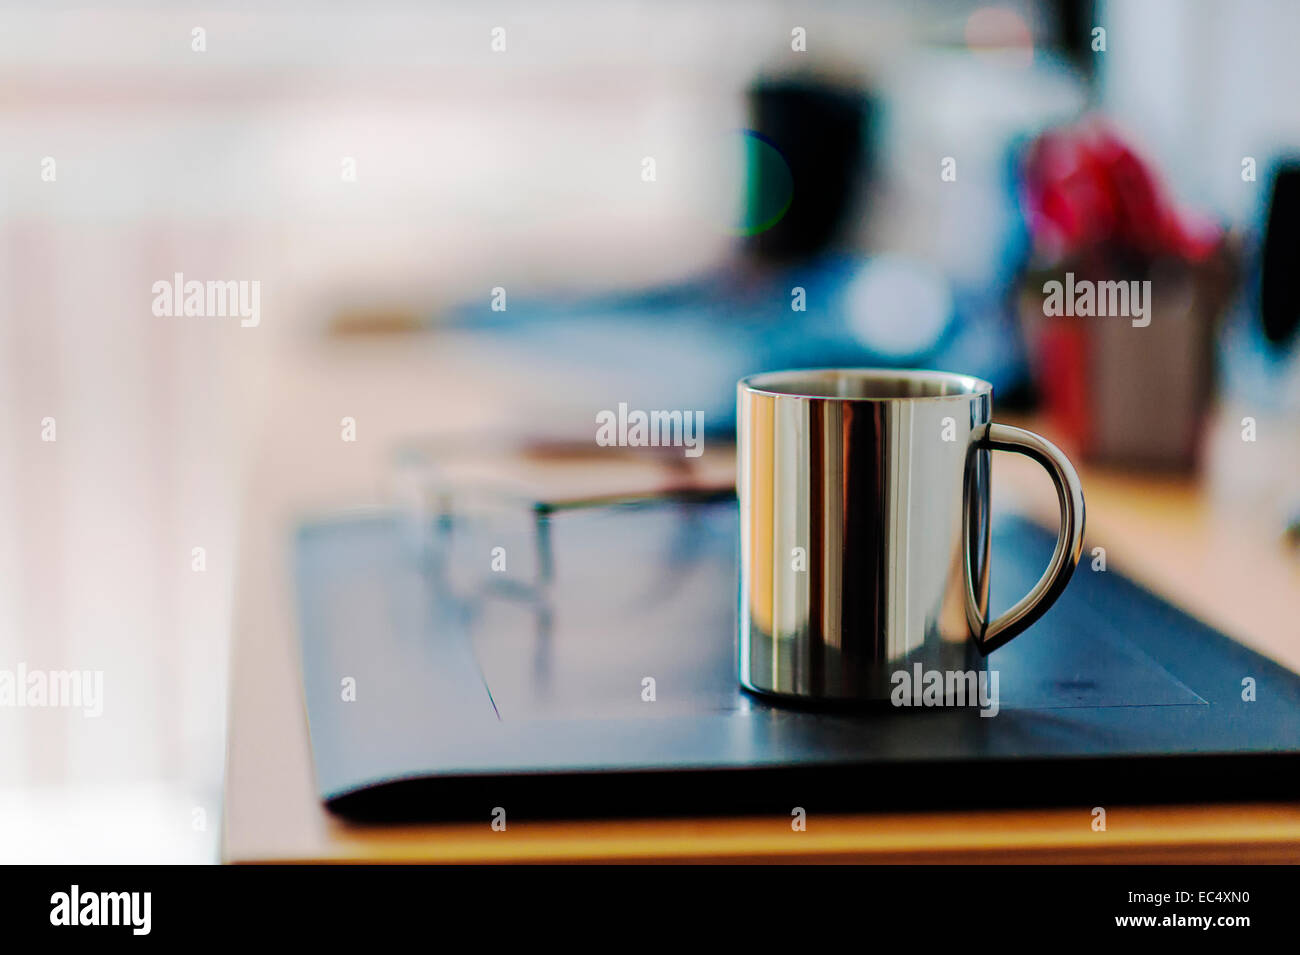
(583, 664)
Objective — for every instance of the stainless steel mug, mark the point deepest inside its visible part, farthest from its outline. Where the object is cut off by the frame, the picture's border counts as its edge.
(864, 529)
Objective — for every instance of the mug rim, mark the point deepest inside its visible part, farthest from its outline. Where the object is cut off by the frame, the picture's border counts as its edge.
(769, 383)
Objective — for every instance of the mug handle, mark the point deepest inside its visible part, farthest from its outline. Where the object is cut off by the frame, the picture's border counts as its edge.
(989, 635)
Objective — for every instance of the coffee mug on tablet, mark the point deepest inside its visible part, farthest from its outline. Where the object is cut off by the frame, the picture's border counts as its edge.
(864, 529)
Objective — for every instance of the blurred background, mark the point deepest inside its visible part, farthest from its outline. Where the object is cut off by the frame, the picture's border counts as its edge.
(545, 212)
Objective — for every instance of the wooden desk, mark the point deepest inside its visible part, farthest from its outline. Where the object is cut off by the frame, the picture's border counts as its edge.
(1162, 531)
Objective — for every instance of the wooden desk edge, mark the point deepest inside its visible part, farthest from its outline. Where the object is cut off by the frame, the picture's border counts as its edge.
(1227, 833)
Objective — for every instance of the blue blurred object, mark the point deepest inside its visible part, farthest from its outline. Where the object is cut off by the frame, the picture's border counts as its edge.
(689, 343)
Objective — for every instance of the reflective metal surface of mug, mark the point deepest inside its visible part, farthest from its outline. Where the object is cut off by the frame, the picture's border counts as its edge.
(864, 529)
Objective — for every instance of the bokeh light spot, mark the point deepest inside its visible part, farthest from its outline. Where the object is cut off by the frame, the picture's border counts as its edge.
(1000, 34)
(769, 185)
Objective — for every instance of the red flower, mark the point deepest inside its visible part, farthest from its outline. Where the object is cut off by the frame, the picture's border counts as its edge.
(1086, 192)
